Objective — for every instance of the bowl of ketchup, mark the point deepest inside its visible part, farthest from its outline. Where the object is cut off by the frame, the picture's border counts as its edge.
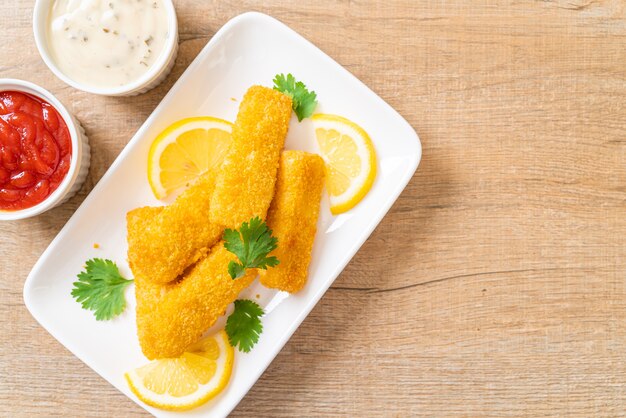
(44, 152)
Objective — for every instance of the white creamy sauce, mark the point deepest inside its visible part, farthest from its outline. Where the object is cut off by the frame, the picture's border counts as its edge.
(106, 43)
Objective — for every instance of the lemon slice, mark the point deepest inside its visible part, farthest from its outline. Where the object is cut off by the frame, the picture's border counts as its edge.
(350, 160)
(185, 150)
(187, 381)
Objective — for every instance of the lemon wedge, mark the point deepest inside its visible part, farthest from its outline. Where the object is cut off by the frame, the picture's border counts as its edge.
(350, 160)
(185, 150)
(188, 381)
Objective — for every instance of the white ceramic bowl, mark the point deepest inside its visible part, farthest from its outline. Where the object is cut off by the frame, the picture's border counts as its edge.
(152, 78)
(81, 157)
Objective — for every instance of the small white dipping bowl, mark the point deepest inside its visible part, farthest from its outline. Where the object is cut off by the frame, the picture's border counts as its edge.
(152, 78)
(79, 165)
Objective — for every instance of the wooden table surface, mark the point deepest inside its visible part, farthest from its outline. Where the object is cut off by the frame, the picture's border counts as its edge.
(495, 286)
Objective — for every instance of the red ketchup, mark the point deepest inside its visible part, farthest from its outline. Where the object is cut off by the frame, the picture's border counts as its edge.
(35, 150)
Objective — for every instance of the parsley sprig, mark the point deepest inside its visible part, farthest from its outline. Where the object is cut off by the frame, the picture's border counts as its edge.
(303, 100)
(244, 325)
(251, 244)
(100, 288)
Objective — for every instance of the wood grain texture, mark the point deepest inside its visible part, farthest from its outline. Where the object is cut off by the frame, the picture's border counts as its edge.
(496, 285)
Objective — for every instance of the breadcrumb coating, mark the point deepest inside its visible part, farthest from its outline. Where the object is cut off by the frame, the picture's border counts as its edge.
(245, 183)
(292, 217)
(147, 294)
(173, 316)
(177, 236)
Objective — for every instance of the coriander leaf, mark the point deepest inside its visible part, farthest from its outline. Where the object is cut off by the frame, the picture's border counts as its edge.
(236, 270)
(285, 84)
(251, 244)
(303, 100)
(100, 288)
(244, 325)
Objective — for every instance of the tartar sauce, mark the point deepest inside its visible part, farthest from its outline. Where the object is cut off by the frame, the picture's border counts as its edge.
(106, 43)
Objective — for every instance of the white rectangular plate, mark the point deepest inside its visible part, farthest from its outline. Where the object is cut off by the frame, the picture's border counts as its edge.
(249, 49)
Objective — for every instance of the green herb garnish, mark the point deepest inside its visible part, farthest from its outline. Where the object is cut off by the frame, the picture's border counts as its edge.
(100, 288)
(244, 325)
(303, 100)
(251, 244)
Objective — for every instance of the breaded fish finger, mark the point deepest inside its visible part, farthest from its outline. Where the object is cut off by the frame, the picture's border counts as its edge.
(178, 236)
(170, 317)
(148, 295)
(192, 306)
(292, 217)
(245, 183)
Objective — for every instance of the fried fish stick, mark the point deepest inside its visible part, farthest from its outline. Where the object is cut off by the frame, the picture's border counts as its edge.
(170, 317)
(292, 217)
(245, 184)
(191, 306)
(178, 236)
(148, 295)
